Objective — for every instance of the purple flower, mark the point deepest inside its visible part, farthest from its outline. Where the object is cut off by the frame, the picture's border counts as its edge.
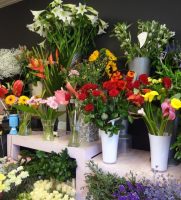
(122, 188)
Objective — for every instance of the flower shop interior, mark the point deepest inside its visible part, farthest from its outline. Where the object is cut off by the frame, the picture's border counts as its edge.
(90, 99)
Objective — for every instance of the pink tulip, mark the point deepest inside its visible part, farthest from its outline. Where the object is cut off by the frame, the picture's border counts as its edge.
(61, 97)
(167, 110)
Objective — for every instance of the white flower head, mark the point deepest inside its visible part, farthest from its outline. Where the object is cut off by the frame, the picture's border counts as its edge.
(92, 10)
(141, 112)
(104, 25)
(56, 2)
(92, 18)
(142, 38)
(36, 14)
(81, 9)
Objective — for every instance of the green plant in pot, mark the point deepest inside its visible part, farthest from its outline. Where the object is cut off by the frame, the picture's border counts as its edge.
(152, 39)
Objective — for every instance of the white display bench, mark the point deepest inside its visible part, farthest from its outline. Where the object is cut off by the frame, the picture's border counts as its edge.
(82, 154)
(138, 162)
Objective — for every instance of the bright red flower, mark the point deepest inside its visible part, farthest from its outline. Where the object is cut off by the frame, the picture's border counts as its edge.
(109, 85)
(67, 96)
(129, 93)
(3, 91)
(82, 96)
(89, 107)
(167, 82)
(96, 93)
(89, 86)
(113, 93)
(143, 78)
(121, 84)
(146, 90)
(136, 99)
(17, 88)
(136, 84)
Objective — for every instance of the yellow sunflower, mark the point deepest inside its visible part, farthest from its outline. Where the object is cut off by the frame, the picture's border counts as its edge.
(111, 55)
(10, 100)
(94, 56)
(23, 100)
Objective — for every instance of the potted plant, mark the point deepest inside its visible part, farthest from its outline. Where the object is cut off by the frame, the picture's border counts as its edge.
(155, 103)
(152, 39)
(104, 106)
(69, 28)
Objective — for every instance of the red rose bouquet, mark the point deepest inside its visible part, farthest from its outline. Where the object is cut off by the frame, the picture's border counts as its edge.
(153, 100)
(105, 105)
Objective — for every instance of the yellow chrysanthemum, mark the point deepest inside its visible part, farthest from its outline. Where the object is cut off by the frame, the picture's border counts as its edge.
(2, 187)
(23, 100)
(94, 56)
(111, 55)
(10, 100)
(176, 103)
(149, 96)
(2, 177)
(112, 65)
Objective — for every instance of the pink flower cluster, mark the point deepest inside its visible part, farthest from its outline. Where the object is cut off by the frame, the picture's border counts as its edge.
(61, 97)
(167, 110)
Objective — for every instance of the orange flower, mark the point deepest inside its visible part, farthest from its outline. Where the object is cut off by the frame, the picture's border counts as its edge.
(131, 74)
(145, 90)
(57, 55)
(116, 76)
(40, 75)
(50, 59)
(37, 65)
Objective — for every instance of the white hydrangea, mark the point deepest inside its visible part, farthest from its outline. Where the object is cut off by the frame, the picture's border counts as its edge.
(9, 65)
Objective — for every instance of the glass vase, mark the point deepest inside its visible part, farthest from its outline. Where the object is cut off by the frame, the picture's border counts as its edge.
(73, 113)
(25, 124)
(48, 126)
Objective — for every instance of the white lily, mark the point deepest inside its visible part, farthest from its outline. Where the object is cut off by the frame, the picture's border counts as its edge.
(142, 38)
(56, 2)
(104, 24)
(92, 18)
(92, 10)
(36, 14)
(141, 112)
(81, 9)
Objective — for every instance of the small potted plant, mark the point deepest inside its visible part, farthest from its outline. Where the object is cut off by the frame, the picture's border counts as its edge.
(152, 39)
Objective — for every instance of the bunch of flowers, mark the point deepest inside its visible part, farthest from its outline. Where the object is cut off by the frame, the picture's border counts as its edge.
(68, 27)
(12, 95)
(9, 65)
(46, 109)
(153, 38)
(50, 190)
(12, 179)
(100, 64)
(106, 104)
(154, 102)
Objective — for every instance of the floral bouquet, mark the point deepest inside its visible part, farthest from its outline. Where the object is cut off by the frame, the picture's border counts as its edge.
(106, 104)
(68, 27)
(152, 36)
(154, 102)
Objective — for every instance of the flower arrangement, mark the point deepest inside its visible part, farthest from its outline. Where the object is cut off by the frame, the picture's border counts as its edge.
(106, 104)
(9, 65)
(12, 179)
(99, 64)
(155, 104)
(152, 36)
(50, 189)
(68, 27)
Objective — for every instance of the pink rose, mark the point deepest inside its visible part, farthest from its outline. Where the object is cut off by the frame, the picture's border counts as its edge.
(61, 97)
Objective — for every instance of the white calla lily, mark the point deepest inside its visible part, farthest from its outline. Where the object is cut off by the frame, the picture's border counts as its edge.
(142, 38)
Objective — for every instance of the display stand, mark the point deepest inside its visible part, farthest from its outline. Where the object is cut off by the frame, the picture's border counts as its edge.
(82, 154)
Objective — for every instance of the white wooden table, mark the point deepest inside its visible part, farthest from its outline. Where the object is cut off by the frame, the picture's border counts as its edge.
(138, 162)
(82, 154)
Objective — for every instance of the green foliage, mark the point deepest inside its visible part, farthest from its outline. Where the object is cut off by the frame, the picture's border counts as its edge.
(101, 185)
(50, 165)
(24, 196)
(177, 147)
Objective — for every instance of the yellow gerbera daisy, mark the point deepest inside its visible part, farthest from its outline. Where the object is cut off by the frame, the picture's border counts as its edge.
(111, 55)
(94, 56)
(10, 100)
(23, 100)
(176, 103)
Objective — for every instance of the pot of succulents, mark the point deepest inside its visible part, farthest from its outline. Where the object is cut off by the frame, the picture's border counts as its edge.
(157, 108)
(152, 40)
(105, 106)
(47, 110)
(69, 28)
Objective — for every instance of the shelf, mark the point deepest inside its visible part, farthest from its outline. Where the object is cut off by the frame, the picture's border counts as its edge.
(136, 161)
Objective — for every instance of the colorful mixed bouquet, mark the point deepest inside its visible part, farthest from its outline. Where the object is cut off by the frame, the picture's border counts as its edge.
(106, 104)
(68, 27)
(155, 103)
